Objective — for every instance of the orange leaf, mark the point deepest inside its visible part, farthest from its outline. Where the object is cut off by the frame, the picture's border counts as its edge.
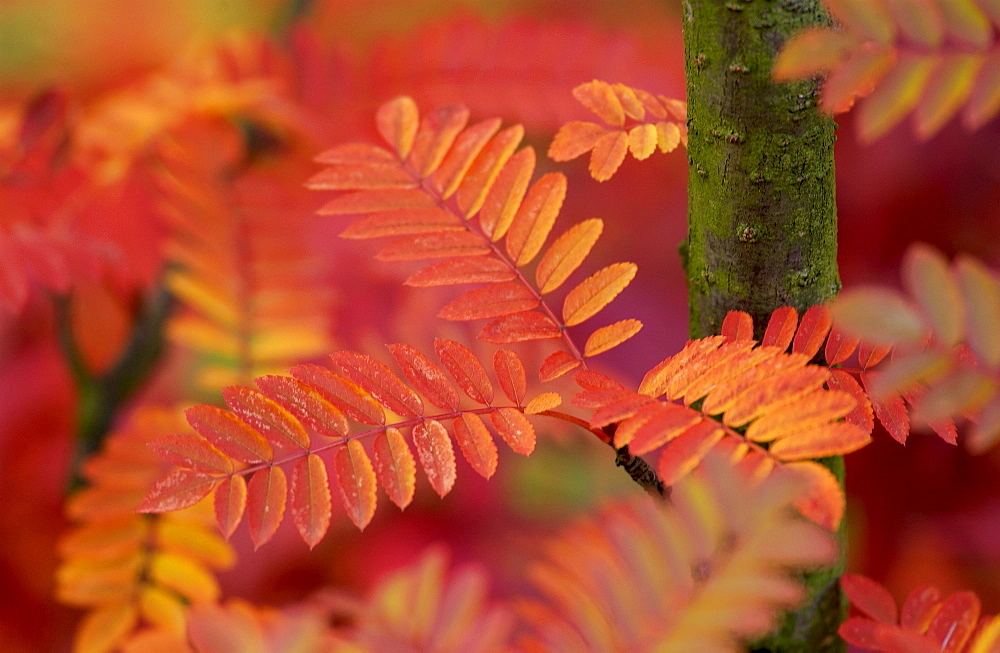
(608, 154)
(504, 196)
(699, 377)
(862, 415)
(662, 425)
(967, 22)
(266, 495)
(436, 134)
(868, 596)
(556, 364)
(815, 324)
(822, 502)
(609, 337)
(535, 217)
(403, 222)
(669, 136)
(596, 292)
(345, 395)
(465, 368)
(515, 429)
(372, 201)
(839, 346)
(358, 154)
(686, 451)
(775, 390)
(426, 377)
(459, 159)
(927, 278)
(107, 627)
(738, 325)
(455, 271)
(519, 327)
(657, 380)
(230, 499)
(485, 170)
(371, 176)
(855, 77)
(510, 374)
(618, 409)
(443, 244)
(543, 402)
(813, 409)
(575, 138)
(231, 436)
(437, 457)
(310, 495)
(305, 404)
(869, 19)
(600, 98)
(476, 444)
(948, 88)
(984, 102)
(395, 466)
(895, 96)
(566, 254)
(490, 301)
(266, 417)
(919, 20)
(177, 490)
(379, 381)
(721, 397)
(811, 51)
(780, 328)
(356, 480)
(829, 440)
(397, 122)
(642, 141)
(193, 453)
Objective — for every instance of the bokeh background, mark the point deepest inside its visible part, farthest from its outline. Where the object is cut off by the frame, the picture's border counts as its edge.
(923, 513)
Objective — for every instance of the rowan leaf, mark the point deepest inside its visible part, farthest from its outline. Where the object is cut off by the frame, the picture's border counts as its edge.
(965, 21)
(839, 346)
(543, 402)
(266, 496)
(193, 453)
(811, 409)
(661, 425)
(231, 436)
(515, 429)
(345, 395)
(490, 301)
(642, 141)
(984, 101)
(403, 222)
(510, 374)
(919, 20)
(378, 380)
(485, 170)
(106, 628)
(357, 176)
(895, 96)
(178, 490)
(436, 134)
(395, 466)
(920, 606)
(869, 19)
(609, 337)
(822, 502)
(599, 97)
(809, 52)
(566, 254)
(556, 364)
(460, 156)
(870, 597)
(955, 621)
(476, 444)
(596, 291)
(442, 244)
(574, 139)
(436, 455)
(813, 328)
(862, 415)
(534, 218)
(519, 327)
(505, 195)
(829, 440)
(310, 499)
(929, 280)
(429, 379)
(373, 201)
(230, 499)
(878, 316)
(356, 480)
(456, 271)
(781, 328)
(737, 325)
(686, 451)
(855, 77)
(608, 154)
(981, 296)
(266, 417)
(397, 122)
(870, 355)
(657, 380)
(305, 404)
(948, 88)
(465, 368)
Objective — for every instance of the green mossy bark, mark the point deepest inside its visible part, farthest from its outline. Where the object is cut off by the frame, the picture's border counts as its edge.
(762, 221)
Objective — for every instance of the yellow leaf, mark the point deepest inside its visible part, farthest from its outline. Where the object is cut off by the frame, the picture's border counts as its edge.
(566, 254)
(948, 88)
(543, 402)
(596, 292)
(608, 154)
(811, 51)
(668, 136)
(611, 336)
(600, 98)
(105, 628)
(895, 96)
(184, 576)
(642, 141)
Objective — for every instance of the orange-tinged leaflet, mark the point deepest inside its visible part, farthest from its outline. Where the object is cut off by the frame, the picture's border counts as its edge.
(394, 466)
(356, 480)
(310, 499)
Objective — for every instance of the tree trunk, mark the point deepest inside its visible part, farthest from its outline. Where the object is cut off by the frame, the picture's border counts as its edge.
(762, 225)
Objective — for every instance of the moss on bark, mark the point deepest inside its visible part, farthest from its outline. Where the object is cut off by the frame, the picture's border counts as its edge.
(762, 222)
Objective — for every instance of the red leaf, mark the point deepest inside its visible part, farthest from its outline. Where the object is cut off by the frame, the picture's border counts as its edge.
(828, 440)
(310, 495)
(625, 407)
(455, 271)
(437, 457)
(860, 632)
(345, 395)
(891, 411)
(178, 490)
(465, 368)
(862, 415)
(515, 429)
(510, 374)
(266, 495)
(919, 608)
(231, 436)
(193, 453)
(397, 122)
(738, 325)
(870, 597)
(266, 417)
(403, 222)
(781, 328)
(230, 500)
(686, 451)
(379, 381)
(870, 355)
(395, 466)
(358, 176)
(476, 444)
(556, 364)
(954, 622)
(839, 346)
(519, 327)
(596, 291)
(306, 404)
(490, 301)
(442, 244)
(429, 379)
(371, 201)
(356, 480)
(815, 324)
(357, 154)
